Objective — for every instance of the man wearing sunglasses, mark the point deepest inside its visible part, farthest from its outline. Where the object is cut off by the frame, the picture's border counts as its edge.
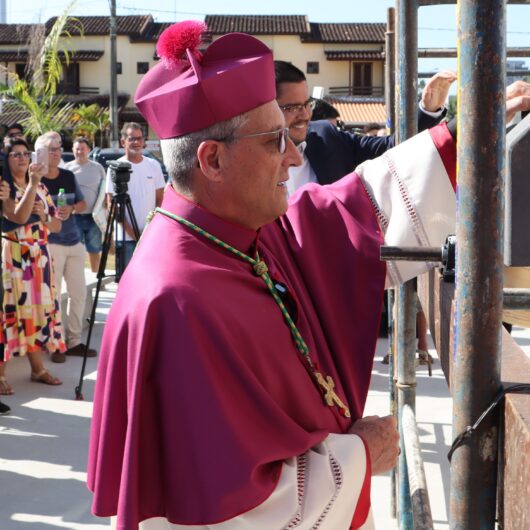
(329, 154)
(227, 393)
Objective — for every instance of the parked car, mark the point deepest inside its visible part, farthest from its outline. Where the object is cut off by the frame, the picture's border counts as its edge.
(102, 155)
(67, 156)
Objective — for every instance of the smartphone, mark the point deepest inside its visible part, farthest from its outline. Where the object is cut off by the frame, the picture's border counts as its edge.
(40, 156)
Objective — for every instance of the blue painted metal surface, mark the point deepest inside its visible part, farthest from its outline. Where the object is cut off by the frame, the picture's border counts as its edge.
(481, 147)
(406, 388)
(406, 109)
(421, 508)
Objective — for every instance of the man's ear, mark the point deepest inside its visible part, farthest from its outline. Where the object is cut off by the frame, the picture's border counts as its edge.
(208, 155)
(122, 141)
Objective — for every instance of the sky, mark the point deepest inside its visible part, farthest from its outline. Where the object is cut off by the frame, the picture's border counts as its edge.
(436, 24)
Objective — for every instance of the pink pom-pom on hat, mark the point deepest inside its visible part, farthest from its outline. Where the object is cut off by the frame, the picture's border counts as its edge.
(234, 75)
(178, 39)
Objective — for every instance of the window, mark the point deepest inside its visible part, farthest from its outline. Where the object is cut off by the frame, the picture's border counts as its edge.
(312, 67)
(70, 81)
(142, 68)
(118, 68)
(362, 79)
(20, 70)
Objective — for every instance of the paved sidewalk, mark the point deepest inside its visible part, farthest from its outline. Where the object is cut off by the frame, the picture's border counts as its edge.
(43, 443)
(434, 416)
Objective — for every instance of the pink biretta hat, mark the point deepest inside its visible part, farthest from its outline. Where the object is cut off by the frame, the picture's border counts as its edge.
(189, 91)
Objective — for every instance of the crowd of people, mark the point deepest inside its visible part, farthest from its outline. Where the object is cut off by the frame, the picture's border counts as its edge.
(54, 214)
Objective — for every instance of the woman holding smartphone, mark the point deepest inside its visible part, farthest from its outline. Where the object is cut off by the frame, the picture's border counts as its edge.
(31, 316)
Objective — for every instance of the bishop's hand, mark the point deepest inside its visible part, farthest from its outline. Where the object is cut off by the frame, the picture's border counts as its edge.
(382, 438)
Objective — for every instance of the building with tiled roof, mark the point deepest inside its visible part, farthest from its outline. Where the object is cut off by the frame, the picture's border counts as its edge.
(343, 59)
(338, 59)
(86, 77)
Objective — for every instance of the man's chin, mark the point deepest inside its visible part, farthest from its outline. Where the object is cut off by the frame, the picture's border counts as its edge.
(298, 134)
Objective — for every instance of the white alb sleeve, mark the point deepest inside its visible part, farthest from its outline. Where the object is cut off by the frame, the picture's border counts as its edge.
(316, 490)
(413, 199)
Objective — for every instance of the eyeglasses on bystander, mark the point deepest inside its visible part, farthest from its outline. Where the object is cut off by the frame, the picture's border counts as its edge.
(298, 107)
(20, 154)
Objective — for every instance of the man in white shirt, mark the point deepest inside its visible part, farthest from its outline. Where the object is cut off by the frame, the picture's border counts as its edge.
(145, 189)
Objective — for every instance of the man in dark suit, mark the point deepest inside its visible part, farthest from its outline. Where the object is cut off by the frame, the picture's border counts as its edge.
(329, 154)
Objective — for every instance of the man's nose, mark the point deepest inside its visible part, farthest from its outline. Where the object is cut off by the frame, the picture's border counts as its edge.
(292, 155)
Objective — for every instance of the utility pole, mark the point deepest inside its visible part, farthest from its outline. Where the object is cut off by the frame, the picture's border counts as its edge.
(3, 12)
(113, 99)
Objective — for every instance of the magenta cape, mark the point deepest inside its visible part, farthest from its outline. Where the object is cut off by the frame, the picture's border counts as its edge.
(200, 392)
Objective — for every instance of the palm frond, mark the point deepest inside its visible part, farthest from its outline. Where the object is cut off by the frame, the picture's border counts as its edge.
(54, 52)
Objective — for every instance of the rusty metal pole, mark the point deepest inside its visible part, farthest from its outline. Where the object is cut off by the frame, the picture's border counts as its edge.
(406, 109)
(390, 106)
(407, 69)
(390, 69)
(481, 151)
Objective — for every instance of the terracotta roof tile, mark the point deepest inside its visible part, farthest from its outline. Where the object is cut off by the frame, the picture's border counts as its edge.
(354, 32)
(152, 32)
(100, 25)
(360, 110)
(22, 55)
(16, 33)
(258, 24)
(354, 55)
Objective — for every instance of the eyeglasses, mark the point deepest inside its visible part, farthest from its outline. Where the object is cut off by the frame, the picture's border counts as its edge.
(134, 138)
(298, 107)
(20, 154)
(282, 135)
(55, 149)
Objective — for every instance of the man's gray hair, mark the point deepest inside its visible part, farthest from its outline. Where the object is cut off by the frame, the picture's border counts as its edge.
(180, 154)
(130, 125)
(44, 140)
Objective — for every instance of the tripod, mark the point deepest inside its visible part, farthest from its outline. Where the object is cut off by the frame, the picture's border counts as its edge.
(120, 205)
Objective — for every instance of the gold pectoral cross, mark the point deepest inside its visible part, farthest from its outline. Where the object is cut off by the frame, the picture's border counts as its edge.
(330, 395)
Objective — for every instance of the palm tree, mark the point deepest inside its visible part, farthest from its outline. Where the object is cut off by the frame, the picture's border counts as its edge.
(47, 111)
(89, 120)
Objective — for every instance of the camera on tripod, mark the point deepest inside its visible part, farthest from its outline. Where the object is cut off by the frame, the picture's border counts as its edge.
(120, 174)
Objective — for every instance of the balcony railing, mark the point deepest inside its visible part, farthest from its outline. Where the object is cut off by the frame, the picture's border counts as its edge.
(373, 91)
(70, 89)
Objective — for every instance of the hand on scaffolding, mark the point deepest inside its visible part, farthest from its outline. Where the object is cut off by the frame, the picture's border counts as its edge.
(381, 436)
(517, 98)
(436, 90)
